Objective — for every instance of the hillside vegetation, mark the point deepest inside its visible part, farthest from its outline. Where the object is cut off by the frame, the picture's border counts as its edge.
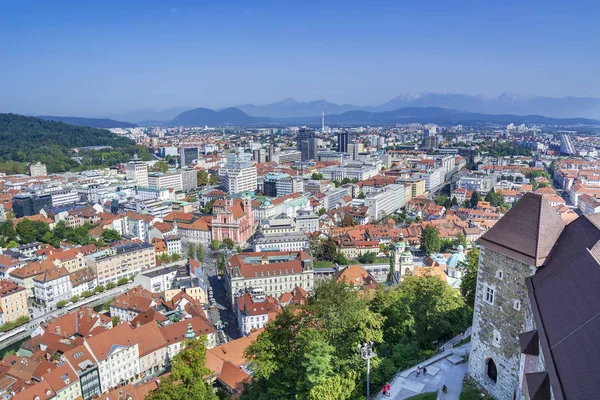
(26, 140)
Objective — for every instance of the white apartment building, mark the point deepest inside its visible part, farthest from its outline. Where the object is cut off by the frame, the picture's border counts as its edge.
(253, 309)
(117, 354)
(157, 280)
(137, 171)
(61, 196)
(386, 202)
(52, 286)
(240, 177)
(289, 241)
(173, 243)
(152, 193)
(434, 178)
(37, 169)
(307, 221)
(339, 173)
(189, 178)
(165, 181)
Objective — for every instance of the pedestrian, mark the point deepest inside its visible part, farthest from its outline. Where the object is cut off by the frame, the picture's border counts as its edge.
(418, 371)
(388, 389)
(384, 390)
(444, 389)
(424, 371)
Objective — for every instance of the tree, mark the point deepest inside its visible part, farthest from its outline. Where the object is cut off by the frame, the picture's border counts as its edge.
(340, 259)
(203, 177)
(454, 201)
(208, 207)
(87, 293)
(461, 240)
(315, 246)
(229, 243)
(322, 211)
(495, 199)
(110, 235)
(317, 176)
(191, 251)
(161, 166)
(74, 299)
(200, 253)
(330, 249)
(475, 199)
(116, 320)
(175, 257)
(99, 289)
(26, 230)
(122, 281)
(111, 285)
(367, 258)
(468, 284)
(61, 303)
(430, 240)
(347, 220)
(361, 195)
(215, 244)
(187, 369)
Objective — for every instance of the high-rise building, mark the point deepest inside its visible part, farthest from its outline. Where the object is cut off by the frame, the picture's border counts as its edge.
(137, 171)
(343, 140)
(189, 178)
(37, 169)
(240, 177)
(259, 155)
(306, 143)
(270, 152)
(27, 204)
(187, 155)
(168, 181)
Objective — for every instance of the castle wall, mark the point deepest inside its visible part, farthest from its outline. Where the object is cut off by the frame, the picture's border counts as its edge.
(496, 326)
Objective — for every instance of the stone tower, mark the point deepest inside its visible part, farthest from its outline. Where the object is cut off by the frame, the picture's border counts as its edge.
(510, 252)
(403, 260)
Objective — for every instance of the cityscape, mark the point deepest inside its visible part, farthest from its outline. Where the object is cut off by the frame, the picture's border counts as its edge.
(432, 246)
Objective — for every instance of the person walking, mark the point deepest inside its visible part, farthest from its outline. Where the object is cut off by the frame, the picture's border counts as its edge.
(388, 389)
(384, 391)
(418, 371)
(424, 371)
(444, 389)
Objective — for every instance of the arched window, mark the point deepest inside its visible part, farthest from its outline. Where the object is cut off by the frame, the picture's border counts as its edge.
(490, 370)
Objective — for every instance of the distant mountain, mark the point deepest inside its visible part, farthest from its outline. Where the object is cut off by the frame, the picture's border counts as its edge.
(102, 123)
(205, 116)
(442, 116)
(292, 108)
(507, 103)
(148, 116)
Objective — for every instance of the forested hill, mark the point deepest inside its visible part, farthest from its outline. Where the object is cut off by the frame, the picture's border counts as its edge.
(27, 139)
(92, 122)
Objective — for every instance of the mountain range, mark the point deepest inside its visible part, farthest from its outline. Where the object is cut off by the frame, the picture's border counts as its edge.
(506, 103)
(101, 123)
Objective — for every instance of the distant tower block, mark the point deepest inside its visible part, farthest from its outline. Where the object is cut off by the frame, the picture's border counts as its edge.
(323, 121)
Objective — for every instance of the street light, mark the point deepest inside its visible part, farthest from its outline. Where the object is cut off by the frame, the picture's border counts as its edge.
(366, 352)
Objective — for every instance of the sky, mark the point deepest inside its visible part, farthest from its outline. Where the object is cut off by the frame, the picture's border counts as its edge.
(102, 58)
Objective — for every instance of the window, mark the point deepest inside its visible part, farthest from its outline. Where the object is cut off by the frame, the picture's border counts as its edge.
(517, 305)
(499, 274)
(497, 338)
(488, 294)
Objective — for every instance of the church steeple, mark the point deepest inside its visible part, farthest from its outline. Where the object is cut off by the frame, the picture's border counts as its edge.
(190, 334)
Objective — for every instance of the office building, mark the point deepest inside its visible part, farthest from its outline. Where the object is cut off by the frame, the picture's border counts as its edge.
(27, 204)
(259, 155)
(187, 155)
(281, 184)
(137, 171)
(290, 156)
(239, 177)
(343, 139)
(189, 179)
(306, 143)
(386, 202)
(121, 261)
(168, 180)
(37, 169)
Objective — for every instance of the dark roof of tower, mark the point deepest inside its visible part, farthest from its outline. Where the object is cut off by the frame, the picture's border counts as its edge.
(527, 232)
(538, 385)
(529, 343)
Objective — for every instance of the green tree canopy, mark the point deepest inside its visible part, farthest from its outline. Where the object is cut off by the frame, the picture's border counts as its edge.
(430, 240)
(468, 284)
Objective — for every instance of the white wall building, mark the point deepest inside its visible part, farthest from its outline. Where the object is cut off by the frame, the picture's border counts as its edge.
(240, 177)
(137, 171)
(167, 181)
(385, 202)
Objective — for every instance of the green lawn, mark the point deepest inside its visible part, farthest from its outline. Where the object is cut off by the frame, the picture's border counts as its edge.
(323, 264)
(424, 396)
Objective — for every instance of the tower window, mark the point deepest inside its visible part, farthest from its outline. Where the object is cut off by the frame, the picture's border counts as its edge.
(488, 295)
(499, 274)
(517, 305)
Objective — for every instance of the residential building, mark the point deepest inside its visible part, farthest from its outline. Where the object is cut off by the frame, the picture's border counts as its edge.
(23, 276)
(37, 169)
(138, 225)
(189, 178)
(157, 280)
(128, 305)
(13, 302)
(306, 143)
(386, 202)
(254, 310)
(281, 184)
(117, 353)
(273, 272)
(136, 171)
(64, 382)
(86, 369)
(187, 155)
(152, 348)
(307, 221)
(288, 156)
(121, 261)
(52, 286)
(175, 334)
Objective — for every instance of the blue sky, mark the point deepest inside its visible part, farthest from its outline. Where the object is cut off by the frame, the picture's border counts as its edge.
(91, 58)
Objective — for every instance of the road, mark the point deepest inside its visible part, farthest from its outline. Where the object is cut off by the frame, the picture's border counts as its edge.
(223, 311)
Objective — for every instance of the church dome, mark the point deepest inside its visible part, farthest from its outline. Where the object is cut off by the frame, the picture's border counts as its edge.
(457, 258)
(266, 203)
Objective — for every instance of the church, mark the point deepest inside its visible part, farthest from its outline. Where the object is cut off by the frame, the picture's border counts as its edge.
(536, 322)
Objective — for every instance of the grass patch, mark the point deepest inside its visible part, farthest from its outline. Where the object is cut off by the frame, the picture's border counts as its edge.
(424, 396)
(323, 264)
(472, 391)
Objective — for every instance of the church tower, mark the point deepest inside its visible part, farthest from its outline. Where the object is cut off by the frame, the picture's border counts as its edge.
(403, 260)
(510, 252)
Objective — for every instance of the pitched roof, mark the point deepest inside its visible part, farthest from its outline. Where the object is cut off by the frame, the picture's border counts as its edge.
(527, 232)
(103, 343)
(233, 377)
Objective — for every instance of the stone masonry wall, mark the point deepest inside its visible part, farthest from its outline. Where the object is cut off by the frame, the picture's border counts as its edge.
(496, 326)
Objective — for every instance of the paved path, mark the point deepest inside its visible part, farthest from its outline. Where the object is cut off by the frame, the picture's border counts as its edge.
(441, 370)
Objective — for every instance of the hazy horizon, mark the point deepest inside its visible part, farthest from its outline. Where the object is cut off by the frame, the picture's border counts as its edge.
(111, 58)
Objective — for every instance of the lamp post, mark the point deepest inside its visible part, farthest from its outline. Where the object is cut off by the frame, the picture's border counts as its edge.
(366, 352)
